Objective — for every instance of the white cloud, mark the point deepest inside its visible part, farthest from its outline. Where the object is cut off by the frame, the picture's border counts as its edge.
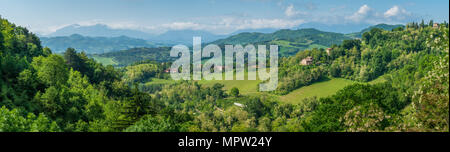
(220, 25)
(269, 23)
(290, 11)
(227, 25)
(364, 12)
(396, 12)
(181, 26)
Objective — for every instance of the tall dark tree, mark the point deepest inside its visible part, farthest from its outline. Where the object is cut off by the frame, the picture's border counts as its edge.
(72, 59)
(422, 24)
(1, 39)
(134, 108)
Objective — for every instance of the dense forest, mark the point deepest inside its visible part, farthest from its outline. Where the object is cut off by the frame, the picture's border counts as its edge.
(47, 92)
(130, 56)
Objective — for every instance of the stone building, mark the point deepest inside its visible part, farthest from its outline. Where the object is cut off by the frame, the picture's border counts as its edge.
(329, 51)
(435, 25)
(307, 61)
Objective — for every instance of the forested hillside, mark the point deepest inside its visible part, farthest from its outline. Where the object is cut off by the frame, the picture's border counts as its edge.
(289, 41)
(43, 91)
(386, 27)
(128, 57)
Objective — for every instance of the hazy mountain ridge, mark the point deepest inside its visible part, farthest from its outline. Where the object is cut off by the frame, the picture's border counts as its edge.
(380, 26)
(169, 37)
(93, 44)
(289, 40)
(99, 30)
(185, 37)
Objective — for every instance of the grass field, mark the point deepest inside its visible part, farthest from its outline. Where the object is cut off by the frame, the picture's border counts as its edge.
(319, 89)
(160, 81)
(105, 60)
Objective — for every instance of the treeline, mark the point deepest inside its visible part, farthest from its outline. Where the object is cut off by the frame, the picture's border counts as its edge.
(128, 57)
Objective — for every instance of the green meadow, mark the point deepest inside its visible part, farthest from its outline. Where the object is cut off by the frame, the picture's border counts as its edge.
(105, 60)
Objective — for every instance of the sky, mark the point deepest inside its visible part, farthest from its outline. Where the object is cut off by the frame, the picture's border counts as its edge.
(220, 17)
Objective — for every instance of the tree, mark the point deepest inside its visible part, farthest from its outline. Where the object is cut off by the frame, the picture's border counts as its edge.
(46, 51)
(153, 124)
(431, 23)
(422, 24)
(367, 118)
(431, 101)
(51, 70)
(135, 107)
(234, 92)
(1, 39)
(72, 59)
(349, 44)
(12, 121)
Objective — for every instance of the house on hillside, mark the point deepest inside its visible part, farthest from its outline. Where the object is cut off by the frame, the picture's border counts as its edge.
(307, 61)
(329, 51)
(220, 68)
(171, 70)
(435, 25)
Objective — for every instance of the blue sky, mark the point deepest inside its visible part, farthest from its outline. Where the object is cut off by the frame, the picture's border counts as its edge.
(156, 16)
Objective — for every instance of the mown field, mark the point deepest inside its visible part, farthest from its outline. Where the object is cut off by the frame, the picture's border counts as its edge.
(105, 60)
(319, 89)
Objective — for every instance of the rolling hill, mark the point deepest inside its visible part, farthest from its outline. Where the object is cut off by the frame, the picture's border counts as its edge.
(127, 57)
(380, 26)
(289, 41)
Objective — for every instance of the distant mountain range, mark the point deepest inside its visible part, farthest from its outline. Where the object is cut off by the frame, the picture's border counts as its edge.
(93, 44)
(185, 37)
(99, 30)
(170, 37)
(100, 38)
